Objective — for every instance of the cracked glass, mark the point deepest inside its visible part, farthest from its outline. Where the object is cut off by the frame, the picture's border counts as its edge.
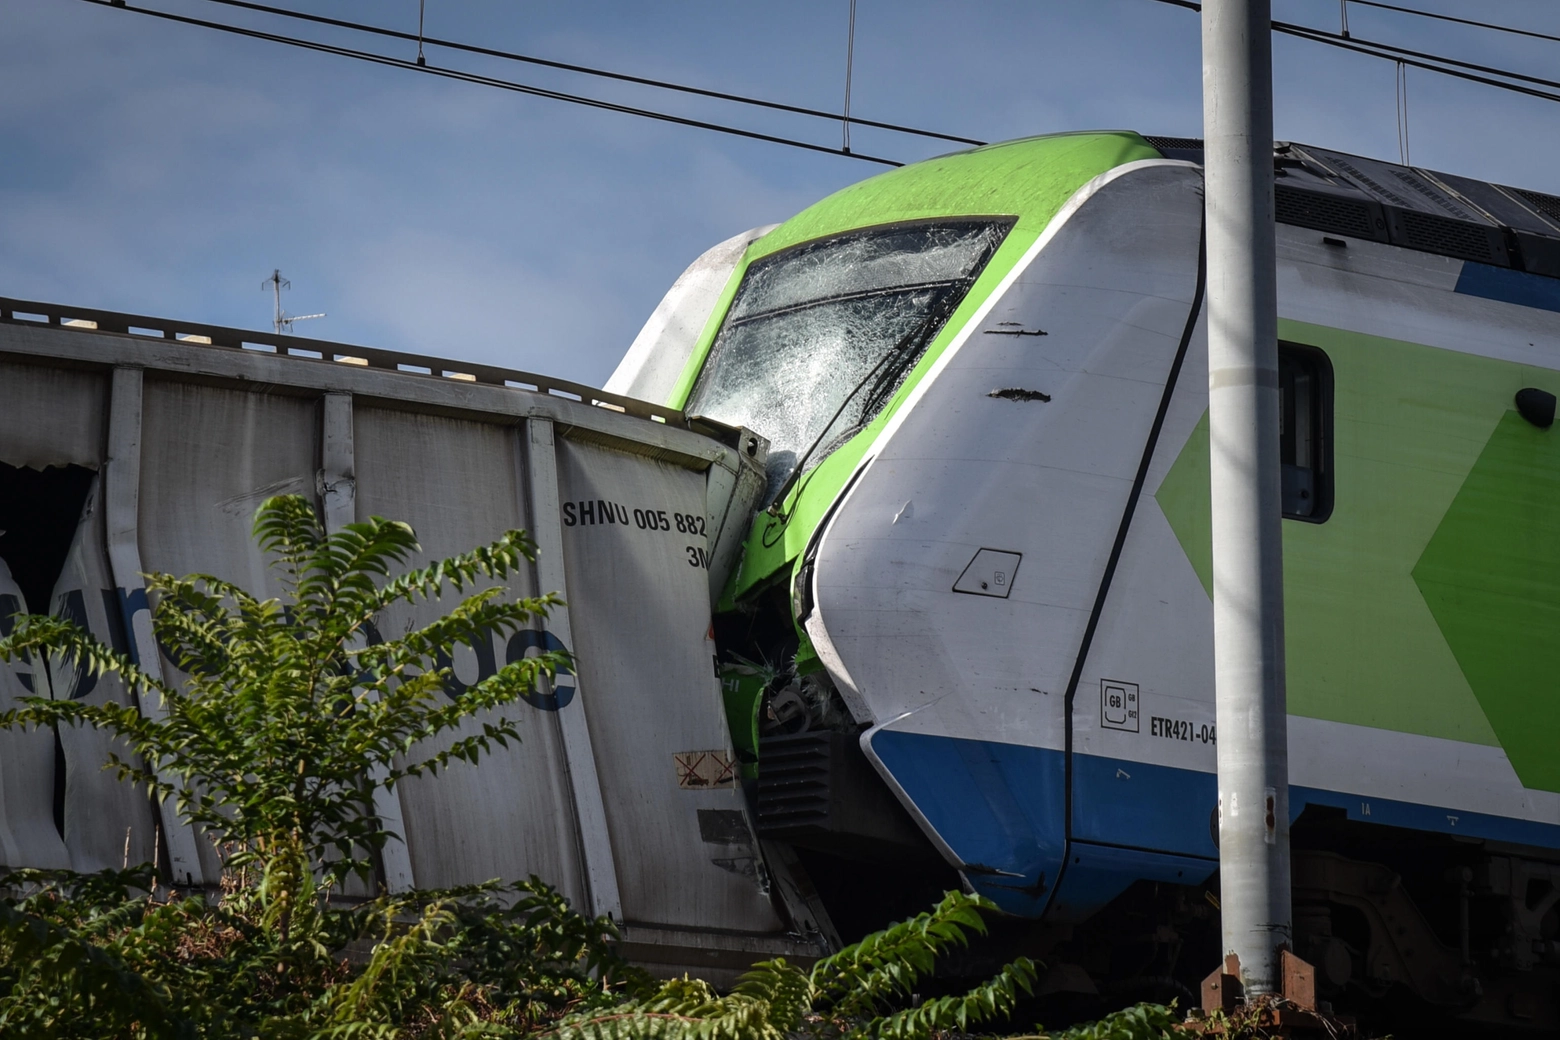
(818, 338)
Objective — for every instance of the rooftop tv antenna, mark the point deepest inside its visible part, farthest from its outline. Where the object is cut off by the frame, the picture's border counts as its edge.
(283, 322)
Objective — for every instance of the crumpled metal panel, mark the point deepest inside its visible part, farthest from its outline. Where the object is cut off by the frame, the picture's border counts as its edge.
(636, 556)
(109, 823)
(647, 710)
(28, 837)
(209, 457)
(457, 483)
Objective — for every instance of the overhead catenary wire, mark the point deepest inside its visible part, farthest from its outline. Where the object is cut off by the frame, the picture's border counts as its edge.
(1467, 71)
(1513, 30)
(1427, 62)
(850, 61)
(587, 70)
(1415, 59)
(489, 81)
(1402, 111)
(1392, 51)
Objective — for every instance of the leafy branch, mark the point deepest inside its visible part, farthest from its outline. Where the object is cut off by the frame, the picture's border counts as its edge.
(846, 995)
(289, 716)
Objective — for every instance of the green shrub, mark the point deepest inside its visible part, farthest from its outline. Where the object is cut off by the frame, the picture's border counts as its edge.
(290, 720)
(291, 717)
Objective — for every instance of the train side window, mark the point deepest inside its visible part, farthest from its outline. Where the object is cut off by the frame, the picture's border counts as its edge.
(1305, 432)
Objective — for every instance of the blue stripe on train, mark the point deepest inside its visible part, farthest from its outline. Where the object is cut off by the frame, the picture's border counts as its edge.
(999, 808)
(1508, 286)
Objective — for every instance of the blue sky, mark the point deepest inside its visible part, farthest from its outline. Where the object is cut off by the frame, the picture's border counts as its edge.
(166, 170)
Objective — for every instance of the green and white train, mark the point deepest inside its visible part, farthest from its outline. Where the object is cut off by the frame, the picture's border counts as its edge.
(986, 553)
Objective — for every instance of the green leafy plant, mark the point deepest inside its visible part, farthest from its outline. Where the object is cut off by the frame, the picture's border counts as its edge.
(294, 712)
(856, 993)
(95, 956)
(63, 970)
(1140, 1022)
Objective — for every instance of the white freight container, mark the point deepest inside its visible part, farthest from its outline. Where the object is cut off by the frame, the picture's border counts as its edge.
(130, 444)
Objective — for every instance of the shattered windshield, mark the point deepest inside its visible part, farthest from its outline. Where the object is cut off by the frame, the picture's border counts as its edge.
(818, 338)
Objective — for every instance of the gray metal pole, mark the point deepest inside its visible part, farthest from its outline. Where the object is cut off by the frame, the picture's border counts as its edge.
(1243, 407)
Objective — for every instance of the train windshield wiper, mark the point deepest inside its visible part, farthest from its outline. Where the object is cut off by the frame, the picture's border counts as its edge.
(903, 357)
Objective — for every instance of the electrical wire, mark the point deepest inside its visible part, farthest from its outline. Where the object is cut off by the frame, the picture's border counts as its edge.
(1402, 112)
(850, 61)
(1452, 67)
(1418, 60)
(1530, 33)
(421, 9)
(1322, 36)
(1415, 59)
(488, 81)
(586, 70)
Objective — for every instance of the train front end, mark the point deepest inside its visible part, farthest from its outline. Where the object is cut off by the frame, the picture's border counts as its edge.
(960, 366)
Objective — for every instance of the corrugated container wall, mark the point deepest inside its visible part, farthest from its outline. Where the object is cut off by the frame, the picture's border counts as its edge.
(121, 454)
